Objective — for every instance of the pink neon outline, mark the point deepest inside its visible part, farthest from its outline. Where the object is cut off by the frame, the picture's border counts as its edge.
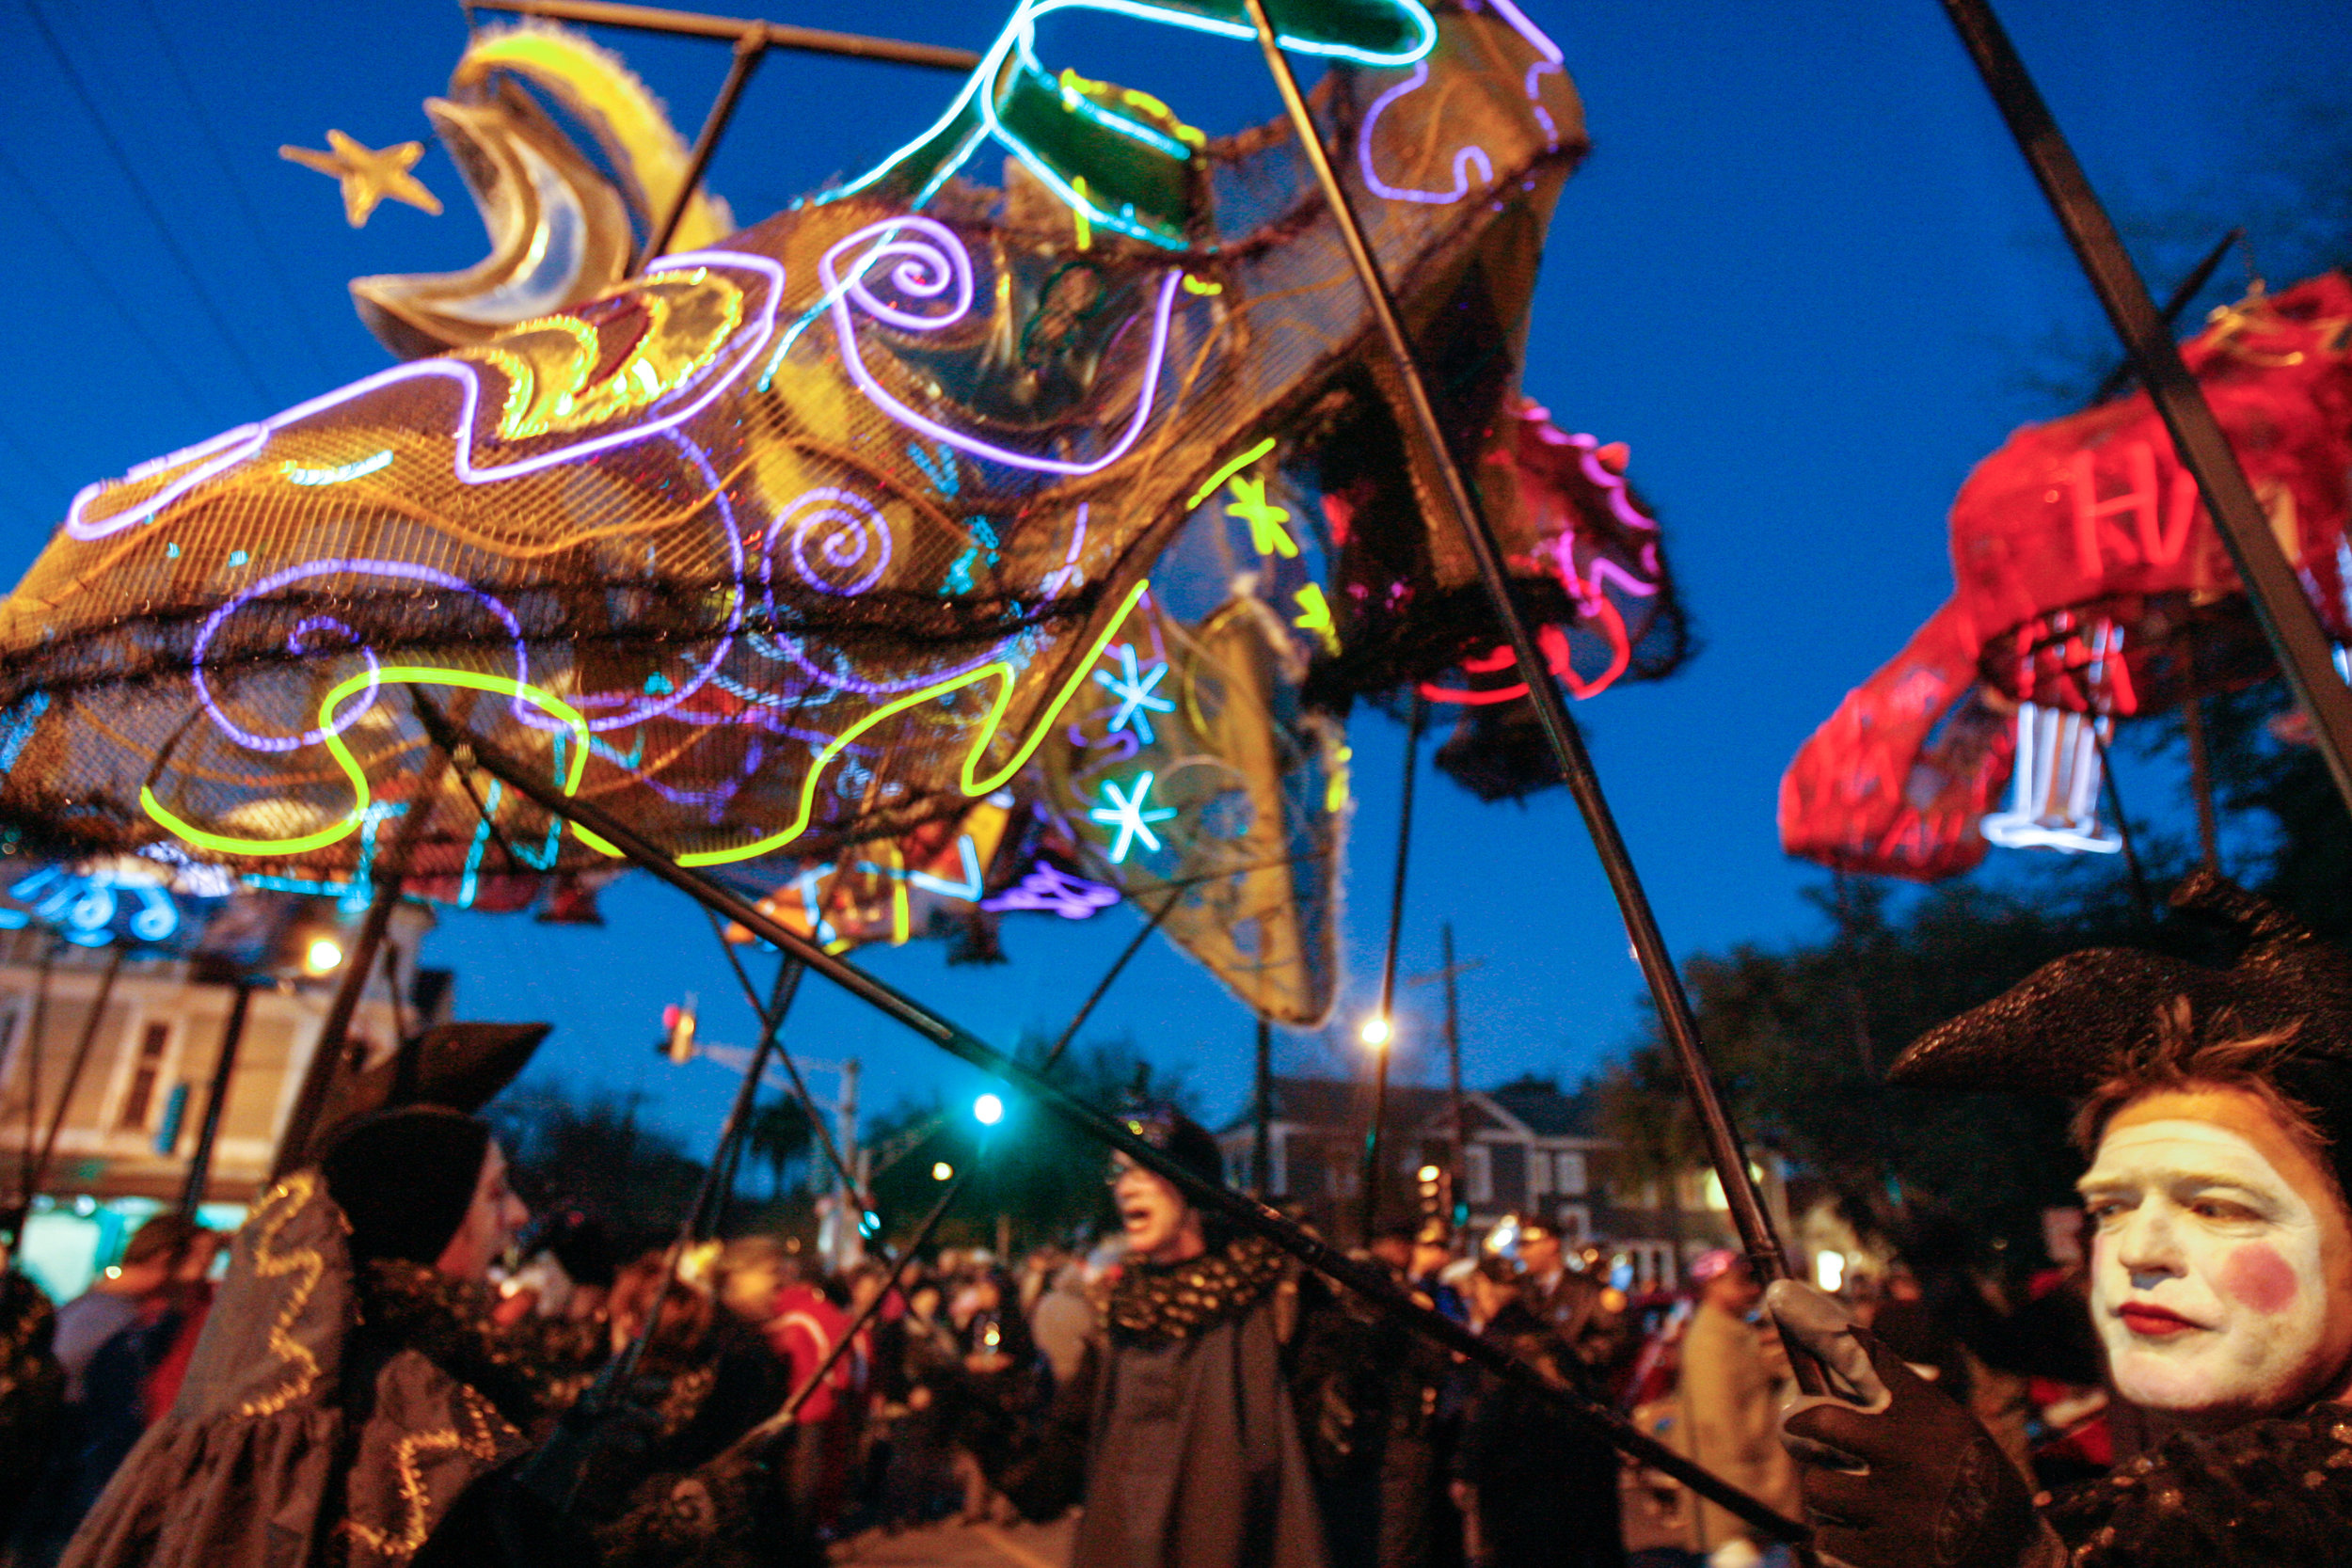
(845, 331)
(1462, 155)
(1613, 483)
(247, 440)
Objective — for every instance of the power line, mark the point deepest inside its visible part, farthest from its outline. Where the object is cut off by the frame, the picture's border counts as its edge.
(167, 362)
(148, 203)
(237, 191)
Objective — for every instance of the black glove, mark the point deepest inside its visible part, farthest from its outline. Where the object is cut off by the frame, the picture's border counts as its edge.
(605, 1419)
(1897, 1475)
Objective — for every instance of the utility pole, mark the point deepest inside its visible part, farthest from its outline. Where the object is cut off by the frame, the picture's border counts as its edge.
(217, 1097)
(1452, 970)
(849, 1236)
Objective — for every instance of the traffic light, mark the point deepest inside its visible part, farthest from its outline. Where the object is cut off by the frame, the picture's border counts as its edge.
(677, 1033)
(1433, 1185)
(988, 1110)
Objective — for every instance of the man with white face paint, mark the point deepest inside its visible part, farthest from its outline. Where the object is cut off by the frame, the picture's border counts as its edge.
(2217, 1110)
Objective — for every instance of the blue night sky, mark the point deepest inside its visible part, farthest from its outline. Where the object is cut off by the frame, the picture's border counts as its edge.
(1804, 276)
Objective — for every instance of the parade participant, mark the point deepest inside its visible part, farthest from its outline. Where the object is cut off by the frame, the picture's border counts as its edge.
(1566, 1296)
(1730, 1398)
(2216, 1104)
(32, 1387)
(352, 1400)
(1192, 1450)
(1532, 1491)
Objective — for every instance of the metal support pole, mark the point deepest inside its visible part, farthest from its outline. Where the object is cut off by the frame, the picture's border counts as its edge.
(326, 1057)
(749, 49)
(1261, 1114)
(1368, 1281)
(1457, 1207)
(1385, 1047)
(774, 34)
(2304, 653)
(1675, 1017)
(73, 1069)
(217, 1097)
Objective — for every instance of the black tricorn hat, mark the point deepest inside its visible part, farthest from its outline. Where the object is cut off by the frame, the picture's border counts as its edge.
(2069, 1025)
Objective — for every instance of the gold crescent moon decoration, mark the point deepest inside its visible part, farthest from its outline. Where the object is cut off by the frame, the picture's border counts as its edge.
(562, 228)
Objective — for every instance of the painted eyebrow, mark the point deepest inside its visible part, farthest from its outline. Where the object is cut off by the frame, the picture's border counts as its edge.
(2171, 1182)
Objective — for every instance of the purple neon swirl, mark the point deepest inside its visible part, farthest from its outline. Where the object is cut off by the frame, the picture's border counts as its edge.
(227, 449)
(927, 268)
(329, 568)
(1464, 156)
(857, 522)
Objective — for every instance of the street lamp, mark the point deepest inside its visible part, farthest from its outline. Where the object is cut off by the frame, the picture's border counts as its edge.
(322, 955)
(988, 1110)
(1377, 1031)
(943, 1171)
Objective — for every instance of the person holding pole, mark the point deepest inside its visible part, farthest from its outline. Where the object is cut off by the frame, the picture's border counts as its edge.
(2217, 1110)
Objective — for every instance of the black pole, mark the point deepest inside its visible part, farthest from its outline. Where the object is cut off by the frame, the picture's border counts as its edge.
(1262, 1114)
(1383, 1048)
(1368, 1280)
(1675, 1017)
(327, 1057)
(1455, 1204)
(74, 1070)
(217, 1097)
(35, 1028)
(775, 34)
(2176, 302)
(2301, 646)
(749, 49)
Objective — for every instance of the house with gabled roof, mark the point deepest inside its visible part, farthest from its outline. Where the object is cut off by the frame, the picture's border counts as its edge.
(1528, 1148)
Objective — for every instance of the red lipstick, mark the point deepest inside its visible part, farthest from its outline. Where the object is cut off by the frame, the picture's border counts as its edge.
(2152, 1321)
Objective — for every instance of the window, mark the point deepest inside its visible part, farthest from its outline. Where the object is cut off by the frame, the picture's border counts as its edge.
(139, 1100)
(1576, 1224)
(1568, 1179)
(1538, 1173)
(1478, 1174)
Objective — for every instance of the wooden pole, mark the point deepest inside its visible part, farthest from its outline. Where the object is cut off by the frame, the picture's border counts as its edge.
(1458, 1209)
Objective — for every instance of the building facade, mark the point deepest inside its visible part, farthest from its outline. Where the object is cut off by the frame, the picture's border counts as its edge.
(118, 1100)
(1527, 1150)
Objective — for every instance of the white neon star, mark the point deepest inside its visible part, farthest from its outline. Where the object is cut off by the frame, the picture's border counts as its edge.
(1135, 694)
(1125, 814)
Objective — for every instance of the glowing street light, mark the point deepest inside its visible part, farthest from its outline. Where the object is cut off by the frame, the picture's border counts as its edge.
(1377, 1031)
(988, 1110)
(321, 956)
(943, 1171)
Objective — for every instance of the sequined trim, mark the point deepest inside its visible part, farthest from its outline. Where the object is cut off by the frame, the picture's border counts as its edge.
(477, 1435)
(1178, 1302)
(285, 1200)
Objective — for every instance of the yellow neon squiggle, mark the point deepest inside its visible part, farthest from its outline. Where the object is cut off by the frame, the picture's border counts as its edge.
(1229, 470)
(998, 670)
(420, 674)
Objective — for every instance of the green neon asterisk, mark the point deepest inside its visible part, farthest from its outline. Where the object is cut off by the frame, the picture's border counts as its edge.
(1125, 816)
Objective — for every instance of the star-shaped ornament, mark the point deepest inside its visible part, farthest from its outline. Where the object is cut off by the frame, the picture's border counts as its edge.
(368, 177)
(1134, 693)
(1124, 815)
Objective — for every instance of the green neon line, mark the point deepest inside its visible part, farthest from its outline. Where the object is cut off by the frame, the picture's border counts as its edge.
(1236, 466)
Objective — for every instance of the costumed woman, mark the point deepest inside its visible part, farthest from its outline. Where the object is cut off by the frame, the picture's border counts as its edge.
(1192, 1453)
(353, 1399)
(2217, 1110)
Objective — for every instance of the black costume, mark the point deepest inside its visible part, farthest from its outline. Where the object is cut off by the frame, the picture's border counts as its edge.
(1194, 1459)
(1547, 1492)
(32, 1391)
(2274, 1492)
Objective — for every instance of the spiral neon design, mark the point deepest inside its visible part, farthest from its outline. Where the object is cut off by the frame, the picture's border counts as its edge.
(934, 263)
(327, 568)
(844, 528)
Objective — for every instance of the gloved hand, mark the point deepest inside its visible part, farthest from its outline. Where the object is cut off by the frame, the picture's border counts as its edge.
(605, 1419)
(1895, 1474)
